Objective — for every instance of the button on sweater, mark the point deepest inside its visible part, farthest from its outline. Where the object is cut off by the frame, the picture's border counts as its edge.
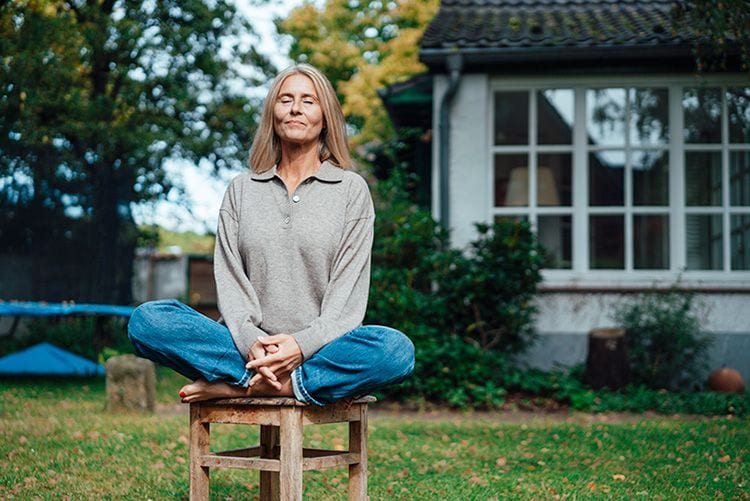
(298, 264)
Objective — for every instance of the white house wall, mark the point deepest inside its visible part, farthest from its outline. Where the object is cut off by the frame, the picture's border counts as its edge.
(565, 318)
(469, 156)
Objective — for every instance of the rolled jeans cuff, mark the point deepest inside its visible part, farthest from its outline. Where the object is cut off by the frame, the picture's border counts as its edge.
(300, 393)
(244, 381)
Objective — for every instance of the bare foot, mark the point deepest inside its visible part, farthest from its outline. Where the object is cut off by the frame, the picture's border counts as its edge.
(200, 390)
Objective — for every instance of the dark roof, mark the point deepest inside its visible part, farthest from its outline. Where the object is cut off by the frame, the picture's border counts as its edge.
(524, 30)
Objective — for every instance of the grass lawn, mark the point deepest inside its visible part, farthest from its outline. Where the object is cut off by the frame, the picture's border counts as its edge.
(57, 442)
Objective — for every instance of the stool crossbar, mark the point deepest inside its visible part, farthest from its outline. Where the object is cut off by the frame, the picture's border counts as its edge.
(280, 457)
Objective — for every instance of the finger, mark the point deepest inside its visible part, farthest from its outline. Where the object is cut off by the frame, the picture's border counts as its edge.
(267, 373)
(266, 361)
(255, 379)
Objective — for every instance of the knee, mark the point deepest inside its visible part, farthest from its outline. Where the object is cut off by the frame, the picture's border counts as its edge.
(398, 353)
(146, 319)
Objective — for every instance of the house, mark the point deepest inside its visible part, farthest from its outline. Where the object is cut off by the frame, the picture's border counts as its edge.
(588, 119)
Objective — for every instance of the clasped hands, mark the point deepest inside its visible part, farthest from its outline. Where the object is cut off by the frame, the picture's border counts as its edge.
(274, 357)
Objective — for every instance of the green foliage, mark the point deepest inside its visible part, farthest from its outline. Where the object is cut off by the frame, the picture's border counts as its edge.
(490, 288)
(464, 312)
(720, 30)
(665, 342)
(95, 98)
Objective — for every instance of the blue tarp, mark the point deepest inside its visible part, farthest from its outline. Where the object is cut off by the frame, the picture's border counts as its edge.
(37, 309)
(45, 359)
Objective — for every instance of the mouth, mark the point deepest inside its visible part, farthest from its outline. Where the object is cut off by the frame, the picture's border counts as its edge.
(294, 122)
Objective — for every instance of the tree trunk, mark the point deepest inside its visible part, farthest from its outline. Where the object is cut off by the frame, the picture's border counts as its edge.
(607, 361)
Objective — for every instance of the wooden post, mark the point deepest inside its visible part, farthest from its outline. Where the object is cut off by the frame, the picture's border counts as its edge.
(358, 443)
(607, 361)
(290, 474)
(269, 480)
(199, 445)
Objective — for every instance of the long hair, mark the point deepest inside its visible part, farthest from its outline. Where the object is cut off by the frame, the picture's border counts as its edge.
(266, 149)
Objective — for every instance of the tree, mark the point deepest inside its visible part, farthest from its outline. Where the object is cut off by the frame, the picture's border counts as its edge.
(362, 46)
(95, 96)
(720, 28)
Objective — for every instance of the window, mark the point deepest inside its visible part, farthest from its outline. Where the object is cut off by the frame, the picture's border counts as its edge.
(634, 178)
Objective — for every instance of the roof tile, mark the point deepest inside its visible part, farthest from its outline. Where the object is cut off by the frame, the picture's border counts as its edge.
(501, 24)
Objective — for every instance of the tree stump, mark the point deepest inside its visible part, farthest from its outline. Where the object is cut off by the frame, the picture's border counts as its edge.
(607, 361)
(131, 384)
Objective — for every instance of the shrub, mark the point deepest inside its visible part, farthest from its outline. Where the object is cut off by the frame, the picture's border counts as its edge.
(665, 342)
(489, 290)
(464, 312)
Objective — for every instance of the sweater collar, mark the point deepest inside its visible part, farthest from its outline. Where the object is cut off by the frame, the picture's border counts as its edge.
(327, 172)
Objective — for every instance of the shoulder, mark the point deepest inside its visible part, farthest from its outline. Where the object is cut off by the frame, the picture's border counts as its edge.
(354, 181)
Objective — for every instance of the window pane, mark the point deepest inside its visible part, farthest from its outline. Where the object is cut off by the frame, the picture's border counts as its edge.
(605, 116)
(702, 115)
(650, 242)
(554, 179)
(554, 233)
(703, 235)
(554, 116)
(739, 178)
(649, 110)
(703, 178)
(606, 178)
(510, 217)
(606, 236)
(511, 180)
(740, 230)
(650, 177)
(512, 117)
(738, 109)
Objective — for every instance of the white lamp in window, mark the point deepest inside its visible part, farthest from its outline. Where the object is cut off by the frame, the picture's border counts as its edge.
(517, 194)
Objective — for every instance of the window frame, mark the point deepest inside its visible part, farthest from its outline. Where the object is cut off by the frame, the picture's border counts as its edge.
(579, 275)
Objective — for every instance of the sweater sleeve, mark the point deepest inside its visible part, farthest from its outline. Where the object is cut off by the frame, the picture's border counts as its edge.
(345, 298)
(237, 300)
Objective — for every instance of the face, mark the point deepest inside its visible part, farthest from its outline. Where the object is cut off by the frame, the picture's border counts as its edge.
(297, 115)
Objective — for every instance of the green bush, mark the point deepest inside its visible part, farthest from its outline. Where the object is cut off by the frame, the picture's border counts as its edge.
(665, 343)
(489, 290)
(465, 312)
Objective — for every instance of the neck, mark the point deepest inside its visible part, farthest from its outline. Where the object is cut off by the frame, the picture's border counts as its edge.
(299, 161)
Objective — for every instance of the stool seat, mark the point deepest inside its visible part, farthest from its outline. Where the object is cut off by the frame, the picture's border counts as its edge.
(280, 457)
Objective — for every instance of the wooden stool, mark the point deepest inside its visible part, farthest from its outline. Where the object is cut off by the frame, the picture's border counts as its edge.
(280, 457)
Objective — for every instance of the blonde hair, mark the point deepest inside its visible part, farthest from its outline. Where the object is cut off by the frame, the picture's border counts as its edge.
(266, 149)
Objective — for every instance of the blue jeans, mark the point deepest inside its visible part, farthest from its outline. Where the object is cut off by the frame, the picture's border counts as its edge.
(362, 360)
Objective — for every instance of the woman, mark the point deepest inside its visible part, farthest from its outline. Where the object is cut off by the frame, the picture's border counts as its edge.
(292, 268)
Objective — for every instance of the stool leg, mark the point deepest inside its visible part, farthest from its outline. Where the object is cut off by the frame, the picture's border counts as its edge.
(269, 480)
(290, 475)
(358, 443)
(199, 445)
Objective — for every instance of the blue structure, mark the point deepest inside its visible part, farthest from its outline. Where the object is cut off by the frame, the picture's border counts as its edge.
(39, 309)
(45, 359)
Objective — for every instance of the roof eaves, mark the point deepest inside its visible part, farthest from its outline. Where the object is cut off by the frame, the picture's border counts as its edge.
(435, 57)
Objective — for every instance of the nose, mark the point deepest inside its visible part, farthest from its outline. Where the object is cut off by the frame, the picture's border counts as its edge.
(296, 106)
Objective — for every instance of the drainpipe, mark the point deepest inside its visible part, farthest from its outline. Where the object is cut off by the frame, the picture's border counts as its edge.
(454, 64)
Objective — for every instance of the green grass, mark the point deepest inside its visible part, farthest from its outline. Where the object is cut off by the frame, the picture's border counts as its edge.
(56, 440)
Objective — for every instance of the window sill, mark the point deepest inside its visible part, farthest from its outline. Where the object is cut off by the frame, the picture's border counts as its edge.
(615, 282)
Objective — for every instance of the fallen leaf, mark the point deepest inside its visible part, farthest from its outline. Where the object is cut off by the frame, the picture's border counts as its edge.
(478, 481)
(725, 459)
(500, 462)
(618, 477)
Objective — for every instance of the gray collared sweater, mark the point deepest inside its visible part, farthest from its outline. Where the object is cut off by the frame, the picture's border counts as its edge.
(297, 264)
